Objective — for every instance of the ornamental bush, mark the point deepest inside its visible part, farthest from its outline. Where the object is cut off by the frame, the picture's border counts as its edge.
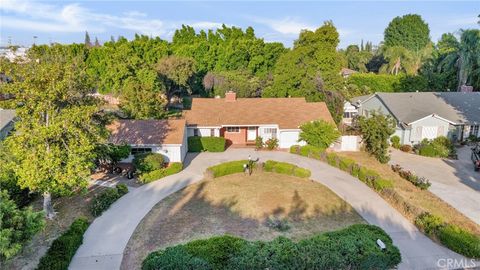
(148, 162)
(319, 133)
(63, 248)
(272, 144)
(406, 148)
(438, 147)
(103, 201)
(173, 168)
(395, 140)
(354, 247)
(209, 144)
(285, 168)
(228, 168)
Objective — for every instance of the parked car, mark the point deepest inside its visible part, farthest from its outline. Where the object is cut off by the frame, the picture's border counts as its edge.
(476, 157)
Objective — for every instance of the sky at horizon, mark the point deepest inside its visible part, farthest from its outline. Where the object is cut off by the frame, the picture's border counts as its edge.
(281, 21)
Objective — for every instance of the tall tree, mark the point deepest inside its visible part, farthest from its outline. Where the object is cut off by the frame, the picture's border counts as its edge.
(408, 31)
(97, 43)
(54, 142)
(176, 74)
(87, 42)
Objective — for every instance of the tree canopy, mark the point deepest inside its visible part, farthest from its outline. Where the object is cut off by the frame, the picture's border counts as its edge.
(408, 31)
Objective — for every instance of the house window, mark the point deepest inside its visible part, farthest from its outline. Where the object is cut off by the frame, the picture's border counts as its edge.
(141, 150)
(195, 132)
(271, 131)
(233, 129)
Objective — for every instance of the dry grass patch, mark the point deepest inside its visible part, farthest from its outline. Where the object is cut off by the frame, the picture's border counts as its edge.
(421, 199)
(239, 205)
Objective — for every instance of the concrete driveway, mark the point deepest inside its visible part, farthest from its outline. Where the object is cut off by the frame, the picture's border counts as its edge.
(454, 181)
(106, 238)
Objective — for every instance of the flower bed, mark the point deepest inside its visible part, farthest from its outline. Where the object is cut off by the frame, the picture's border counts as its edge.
(420, 182)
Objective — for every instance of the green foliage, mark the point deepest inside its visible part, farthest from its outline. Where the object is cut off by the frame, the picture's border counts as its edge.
(286, 168)
(319, 133)
(272, 143)
(17, 226)
(243, 83)
(460, 241)
(408, 31)
(54, 143)
(176, 75)
(103, 201)
(374, 82)
(438, 147)
(258, 143)
(112, 153)
(63, 249)
(209, 144)
(228, 168)
(395, 140)
(350, 248)
(173, 168)
(376, 130)
(217, 250)
(147, 162)
(453, 237)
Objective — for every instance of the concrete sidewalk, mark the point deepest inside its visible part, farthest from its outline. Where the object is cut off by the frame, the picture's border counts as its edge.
(107, 237)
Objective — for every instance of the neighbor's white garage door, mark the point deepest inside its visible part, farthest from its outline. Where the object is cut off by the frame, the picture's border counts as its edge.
(288, 138)
(429, 132)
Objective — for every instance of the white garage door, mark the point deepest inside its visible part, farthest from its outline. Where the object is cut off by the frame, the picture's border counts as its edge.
(288, 138)
(429, 132)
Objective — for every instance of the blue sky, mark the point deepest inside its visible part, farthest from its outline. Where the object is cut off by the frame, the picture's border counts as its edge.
(67, 21)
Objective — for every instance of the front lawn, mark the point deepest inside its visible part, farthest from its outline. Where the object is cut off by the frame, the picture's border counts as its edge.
(240, 205)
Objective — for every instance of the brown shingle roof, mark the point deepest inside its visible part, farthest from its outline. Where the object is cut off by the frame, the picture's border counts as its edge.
(147, 131)
(288, 113)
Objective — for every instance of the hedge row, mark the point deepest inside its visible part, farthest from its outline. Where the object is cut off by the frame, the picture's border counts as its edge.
(453, 237)
(227, 168)
(286, 168)
(354, 247)
(103, 201)
(173, 168)
(147, 162)
(368, 176)
(63, 248)
(209, 144)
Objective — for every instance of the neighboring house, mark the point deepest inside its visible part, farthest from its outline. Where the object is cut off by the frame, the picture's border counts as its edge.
(166, 137)
(242, 120)
(7, 118)
(426, 115)
(346, 72)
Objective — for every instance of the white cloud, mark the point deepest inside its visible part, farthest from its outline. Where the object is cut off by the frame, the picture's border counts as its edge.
(286, 26)
(74, 18)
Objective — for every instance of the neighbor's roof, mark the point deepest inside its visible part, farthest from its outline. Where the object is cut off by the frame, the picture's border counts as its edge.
(147, 131)
(288, 113)
(458, 107)
(360, 99)
(6, 116)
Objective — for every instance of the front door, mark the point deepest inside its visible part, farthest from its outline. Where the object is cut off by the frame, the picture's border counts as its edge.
(251, 133)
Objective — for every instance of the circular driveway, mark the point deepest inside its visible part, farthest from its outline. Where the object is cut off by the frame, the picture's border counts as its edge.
(106, 238)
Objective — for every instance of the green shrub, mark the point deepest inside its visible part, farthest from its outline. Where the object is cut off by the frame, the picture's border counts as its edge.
(285, 168)
(173, 258)
(272, 144)
(228, 168)
(173, 168)
(148, 162)
(217, 250)
(63, 248)
(346, 164)
(460, 241)
(319, 133)
(258, 143)
(332, 159)
(438, 147)
(381, 184)
(209, 144)
(310, 151)
(301, 172)
(428, 223)
(295, 149)
(395, 140)
(354, 247)
(103, 201)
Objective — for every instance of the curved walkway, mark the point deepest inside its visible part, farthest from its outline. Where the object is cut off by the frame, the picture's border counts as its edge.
(107, 237)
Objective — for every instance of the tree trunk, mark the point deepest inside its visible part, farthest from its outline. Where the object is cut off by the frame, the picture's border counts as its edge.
(47, 205)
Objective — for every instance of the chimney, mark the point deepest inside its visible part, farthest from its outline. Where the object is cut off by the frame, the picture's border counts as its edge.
(230, 96)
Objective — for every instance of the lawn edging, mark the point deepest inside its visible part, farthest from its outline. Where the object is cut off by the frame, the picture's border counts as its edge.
(330, 250)
(62, 250)
(451, 236)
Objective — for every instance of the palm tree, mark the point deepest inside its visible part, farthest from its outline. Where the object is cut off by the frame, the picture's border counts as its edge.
(398, 59)
(466, 57)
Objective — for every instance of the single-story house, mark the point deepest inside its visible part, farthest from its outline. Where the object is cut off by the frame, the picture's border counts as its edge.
(166, 137)
(241, 120)
(426, 115)
(7, 119)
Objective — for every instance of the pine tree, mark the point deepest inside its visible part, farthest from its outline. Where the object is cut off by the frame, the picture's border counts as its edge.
(97, 44)
(87, 40)
(361, 46)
